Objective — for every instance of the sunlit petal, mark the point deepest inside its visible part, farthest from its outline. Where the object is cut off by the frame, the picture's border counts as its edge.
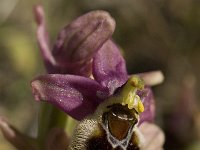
(77, 96)
(109, 67)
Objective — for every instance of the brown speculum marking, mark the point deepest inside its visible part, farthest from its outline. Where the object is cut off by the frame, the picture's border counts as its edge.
(116, 130)
(120, 120)
(100, 142)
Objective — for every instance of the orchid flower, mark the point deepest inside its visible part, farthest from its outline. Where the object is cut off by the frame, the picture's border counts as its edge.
(87, 68)
(73, 92)
(86, 71)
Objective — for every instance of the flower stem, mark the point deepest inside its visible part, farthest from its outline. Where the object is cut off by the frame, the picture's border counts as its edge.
(70, 125)
(49, 117)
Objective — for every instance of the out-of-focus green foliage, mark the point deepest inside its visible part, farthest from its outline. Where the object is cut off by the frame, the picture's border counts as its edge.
(154, 34)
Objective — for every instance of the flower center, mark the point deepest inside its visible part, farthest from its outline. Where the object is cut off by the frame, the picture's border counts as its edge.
(129, 94)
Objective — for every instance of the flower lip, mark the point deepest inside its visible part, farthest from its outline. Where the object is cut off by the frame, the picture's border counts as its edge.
(119, 121)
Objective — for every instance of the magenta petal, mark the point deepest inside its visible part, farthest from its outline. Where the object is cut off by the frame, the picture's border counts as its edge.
(109, 67)
(149, 105)
(75, 95)
(80, 39)
(43, 39)
(78, 42)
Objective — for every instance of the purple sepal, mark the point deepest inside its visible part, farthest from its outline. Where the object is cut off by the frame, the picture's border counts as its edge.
(79, 40)
(76, 43)
(109, 68)
(43, 39)
(77, 96)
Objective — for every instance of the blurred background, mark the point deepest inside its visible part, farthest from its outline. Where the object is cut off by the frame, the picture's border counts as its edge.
(154, 35)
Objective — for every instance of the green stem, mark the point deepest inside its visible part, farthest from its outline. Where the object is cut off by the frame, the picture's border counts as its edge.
(70, 125)
(49, 117)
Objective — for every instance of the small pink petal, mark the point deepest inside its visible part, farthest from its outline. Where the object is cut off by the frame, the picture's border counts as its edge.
(152, 78)
(153, 137)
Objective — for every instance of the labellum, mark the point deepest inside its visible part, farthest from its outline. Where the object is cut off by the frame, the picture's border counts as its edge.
(114, 124)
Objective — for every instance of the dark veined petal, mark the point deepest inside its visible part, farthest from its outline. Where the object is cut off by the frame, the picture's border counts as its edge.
(149, 105)
(82, 37)
(76, 43)
(109, 67)
(43, 39)
(79, 41)
(75, 95)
